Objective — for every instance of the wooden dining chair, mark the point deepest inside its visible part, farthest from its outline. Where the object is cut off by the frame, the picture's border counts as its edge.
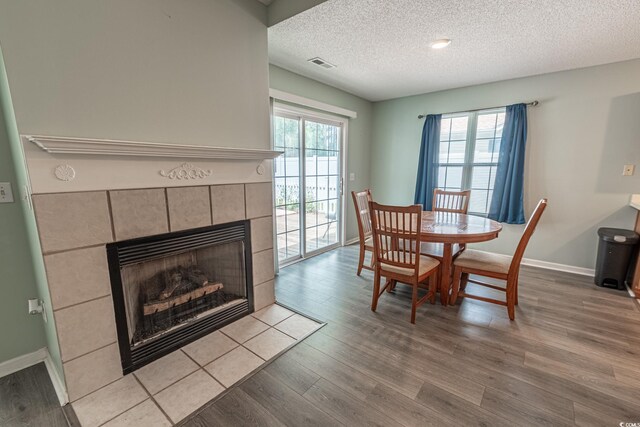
(451, 201)
(494, 266)
(361, 201)
(396, 235)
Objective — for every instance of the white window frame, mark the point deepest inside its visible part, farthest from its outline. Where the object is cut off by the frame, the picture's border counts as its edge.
(470, 146)
(303, 114)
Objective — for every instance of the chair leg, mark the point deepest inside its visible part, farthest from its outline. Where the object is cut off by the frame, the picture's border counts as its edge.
(376, 291)
(434, 282)
(457, 275)
(392, 286)
(463, 281)
(361, 260)
(516, 291)
(433, 285)
(511, 299)
(414, 302)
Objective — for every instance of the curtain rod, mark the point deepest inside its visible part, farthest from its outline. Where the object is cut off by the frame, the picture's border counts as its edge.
(531, 104)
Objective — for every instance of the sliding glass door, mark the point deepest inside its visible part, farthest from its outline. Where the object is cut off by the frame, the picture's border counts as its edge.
(308, 184)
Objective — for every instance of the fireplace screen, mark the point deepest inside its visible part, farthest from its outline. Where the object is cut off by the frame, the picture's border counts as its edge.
(173, 288)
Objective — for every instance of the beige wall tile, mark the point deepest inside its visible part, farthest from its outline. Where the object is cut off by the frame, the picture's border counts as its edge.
(72, 220)
(227, 203)
(263, 295)
(263, 268)
(189, 207)
(92, 371)
(259, 199)
(77, 276)
(106, 403)
(85, 327)
(261, 234)
(138, 213)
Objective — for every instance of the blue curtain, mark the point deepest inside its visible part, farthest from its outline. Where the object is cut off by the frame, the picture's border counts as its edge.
(506, 203)
(427, 169)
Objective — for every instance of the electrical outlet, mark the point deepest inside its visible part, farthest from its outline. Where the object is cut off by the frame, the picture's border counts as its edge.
(628, 170)
(6, 195)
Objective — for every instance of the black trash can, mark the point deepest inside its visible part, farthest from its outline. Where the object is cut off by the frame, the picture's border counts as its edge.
(615, 249)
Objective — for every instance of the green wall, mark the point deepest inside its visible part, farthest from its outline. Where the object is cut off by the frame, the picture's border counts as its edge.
(359, 138)
(20, 333)
(585, 129)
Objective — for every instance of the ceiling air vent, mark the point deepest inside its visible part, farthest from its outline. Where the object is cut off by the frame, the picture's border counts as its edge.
(321, 62)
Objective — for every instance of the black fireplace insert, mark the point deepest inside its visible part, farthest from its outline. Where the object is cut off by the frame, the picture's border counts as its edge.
(173, 288)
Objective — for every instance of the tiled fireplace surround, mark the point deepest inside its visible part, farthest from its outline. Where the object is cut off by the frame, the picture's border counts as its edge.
(74, 228)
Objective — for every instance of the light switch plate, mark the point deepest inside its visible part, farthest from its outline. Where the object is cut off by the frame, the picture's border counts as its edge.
(6, 195)
(628, 170)
(352, 176)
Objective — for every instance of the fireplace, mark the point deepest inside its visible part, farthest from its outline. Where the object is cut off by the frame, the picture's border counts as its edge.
(173, 288)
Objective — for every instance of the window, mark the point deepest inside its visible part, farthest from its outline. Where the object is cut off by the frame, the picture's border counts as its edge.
(468, 155)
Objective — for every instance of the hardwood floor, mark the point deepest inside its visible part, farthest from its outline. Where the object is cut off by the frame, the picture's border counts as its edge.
(572, 356)
(27, 398)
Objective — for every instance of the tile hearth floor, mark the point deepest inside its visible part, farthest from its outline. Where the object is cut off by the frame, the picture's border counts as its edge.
(169, 389)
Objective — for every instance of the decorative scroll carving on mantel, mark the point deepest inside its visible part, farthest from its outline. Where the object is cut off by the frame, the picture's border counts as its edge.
(65, 173)
(260, 169)
(105, 147)
(186, 171)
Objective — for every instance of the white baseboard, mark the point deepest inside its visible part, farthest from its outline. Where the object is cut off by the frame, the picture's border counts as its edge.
(550, 265)
(27, 360)
(22, 362)
(529, 262)
(559, 267)
(58, 384)
(352, 241)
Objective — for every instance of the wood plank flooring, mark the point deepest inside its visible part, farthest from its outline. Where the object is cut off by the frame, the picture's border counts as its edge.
(571, 357)
(27, 398)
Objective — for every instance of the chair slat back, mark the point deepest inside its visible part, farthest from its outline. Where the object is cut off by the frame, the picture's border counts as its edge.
(451, 201)
(361, 201)
(526, 236)
(396, 233)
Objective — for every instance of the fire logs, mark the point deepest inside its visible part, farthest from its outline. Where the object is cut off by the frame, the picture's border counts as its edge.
(176, 287)
(171, 301)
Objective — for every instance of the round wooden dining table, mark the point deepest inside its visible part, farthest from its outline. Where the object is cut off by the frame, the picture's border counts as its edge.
(451, 228)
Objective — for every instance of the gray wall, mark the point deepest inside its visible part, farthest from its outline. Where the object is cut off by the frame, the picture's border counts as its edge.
(359, 138)
(193, 72)
(280, 10)
(585, 129)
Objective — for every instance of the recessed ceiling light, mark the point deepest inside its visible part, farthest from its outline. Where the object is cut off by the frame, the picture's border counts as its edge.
(440, 44)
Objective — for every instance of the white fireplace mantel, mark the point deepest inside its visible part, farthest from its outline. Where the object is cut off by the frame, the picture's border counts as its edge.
(63, 164)
(104, 147)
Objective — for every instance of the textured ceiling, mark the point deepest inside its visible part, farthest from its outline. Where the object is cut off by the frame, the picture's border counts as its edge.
(381, 48)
